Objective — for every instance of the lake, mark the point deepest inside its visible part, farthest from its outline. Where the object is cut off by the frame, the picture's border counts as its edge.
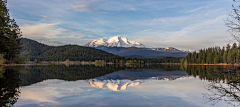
(119, 85)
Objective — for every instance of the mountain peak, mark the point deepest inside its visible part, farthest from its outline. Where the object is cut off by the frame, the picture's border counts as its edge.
(116, 41)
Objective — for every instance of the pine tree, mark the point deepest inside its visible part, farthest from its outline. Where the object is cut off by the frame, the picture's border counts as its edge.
(204, 56)
(194, 57)
(9, 33)
(221, 55)
(4, 27)
(209, 58)
(238, 56)
(228, 47)
(2, 60)
(229, 57)
(216, 59)
(200, 56)
(234, 46)
(189, 56)
(234, 54)
(225, 54)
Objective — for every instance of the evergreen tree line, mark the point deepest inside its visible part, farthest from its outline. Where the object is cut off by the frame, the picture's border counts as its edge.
(215, 55)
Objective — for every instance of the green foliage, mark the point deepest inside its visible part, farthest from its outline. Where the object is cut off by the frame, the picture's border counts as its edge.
(66, 61)
(2, 60)
(225, 54)
(35, 61)
(1, 72)
(20, 60)
(230, 57)
(216, 59)
(100, 61)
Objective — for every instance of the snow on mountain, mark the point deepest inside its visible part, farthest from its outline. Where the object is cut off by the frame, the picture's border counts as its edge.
(115, 85)
(119, 85)
(116, 41)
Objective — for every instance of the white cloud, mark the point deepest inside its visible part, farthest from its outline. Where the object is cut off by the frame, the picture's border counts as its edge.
(85, 5)
(52, 32)
(197, 9)
(43, 16)
(45, 20)
(48, 30)
(109, 5)
(49, 91)
(184, 33)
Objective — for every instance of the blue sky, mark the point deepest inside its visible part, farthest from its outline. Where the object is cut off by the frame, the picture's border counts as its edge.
(184, 24)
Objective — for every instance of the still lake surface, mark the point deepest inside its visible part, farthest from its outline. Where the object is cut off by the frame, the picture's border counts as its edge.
(121, 86)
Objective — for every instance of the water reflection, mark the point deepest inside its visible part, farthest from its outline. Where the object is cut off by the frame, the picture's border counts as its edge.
(35, 74)
(9, 87)
(224, 83)
(120, 80)
(111, 85)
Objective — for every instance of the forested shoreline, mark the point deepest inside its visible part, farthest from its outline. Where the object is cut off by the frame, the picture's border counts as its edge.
(35, 52)
(216, 55)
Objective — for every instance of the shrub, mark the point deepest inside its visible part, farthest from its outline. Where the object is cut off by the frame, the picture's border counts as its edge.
(2, 60)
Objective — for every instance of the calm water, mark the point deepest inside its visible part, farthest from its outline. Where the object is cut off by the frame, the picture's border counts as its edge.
(141, 86)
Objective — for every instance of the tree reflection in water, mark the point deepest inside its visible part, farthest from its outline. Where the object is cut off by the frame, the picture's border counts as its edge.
(224, 83)
(9, 87)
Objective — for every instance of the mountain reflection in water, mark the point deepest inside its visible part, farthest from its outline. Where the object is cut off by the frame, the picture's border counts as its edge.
(111, 85)
(120, 80)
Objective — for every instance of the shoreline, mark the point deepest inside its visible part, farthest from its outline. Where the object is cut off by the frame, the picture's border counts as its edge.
(215, 64)
(109, 63)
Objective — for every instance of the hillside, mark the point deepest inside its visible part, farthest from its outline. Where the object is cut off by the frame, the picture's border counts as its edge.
(32, 50)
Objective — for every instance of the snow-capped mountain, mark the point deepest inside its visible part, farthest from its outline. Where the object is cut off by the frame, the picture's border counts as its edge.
(119, 85)
(116, 41)
(123, 47)
(121, 80)
(115, 85)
